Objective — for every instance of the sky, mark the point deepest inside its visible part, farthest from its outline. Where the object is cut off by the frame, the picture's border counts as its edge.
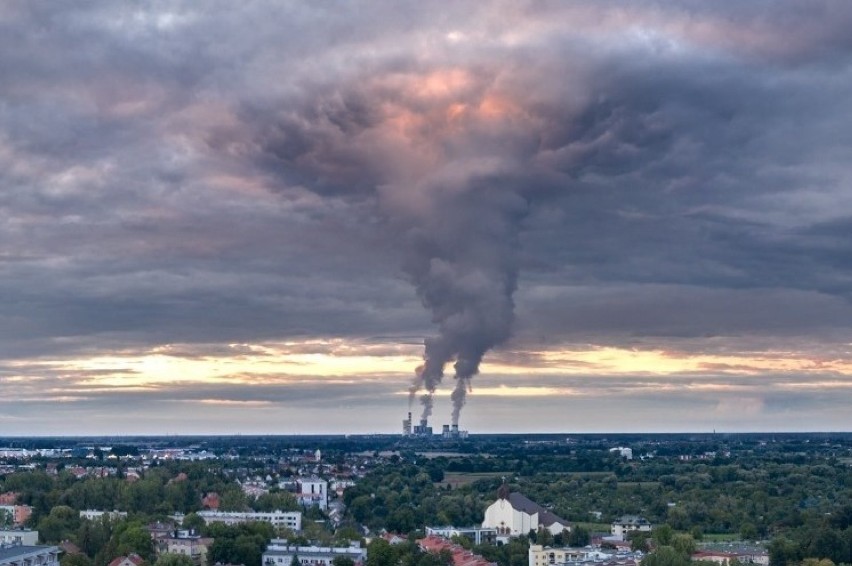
(250, 217)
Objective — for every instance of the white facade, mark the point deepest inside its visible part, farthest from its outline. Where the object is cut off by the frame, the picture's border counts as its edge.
(279, 553)
(507, 520)
(92, 514)
(477, 535)
(313, 492)
(18, 537)
(623, 525)
(287, 519)
(514, 515)
(29, 556)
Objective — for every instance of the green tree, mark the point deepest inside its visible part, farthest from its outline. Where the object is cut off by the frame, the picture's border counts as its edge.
(75, 560)
(133, 538)
(665, 556)
(61, 524)
(578, 536)
(683, 543)
(171, 559)
(342, 561)
(380, 553)
(662, 535)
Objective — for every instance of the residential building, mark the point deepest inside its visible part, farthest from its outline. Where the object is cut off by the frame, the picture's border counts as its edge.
(93, 514)
(187, 543)
(587, 556)
(287, 519)
(313, 492)
(461, 556)
(280, 553)
(513, 515)
(627, 523)
(8, 498)
(476, 535)
(24, 555)
(24, 537)
(731, 552)
(130, 560)
(18, 513)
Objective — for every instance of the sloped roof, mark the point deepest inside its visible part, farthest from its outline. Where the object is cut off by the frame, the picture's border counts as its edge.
(134, 558)
(545, 517)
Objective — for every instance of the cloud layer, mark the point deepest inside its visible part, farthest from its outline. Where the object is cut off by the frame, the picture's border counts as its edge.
(543, 178)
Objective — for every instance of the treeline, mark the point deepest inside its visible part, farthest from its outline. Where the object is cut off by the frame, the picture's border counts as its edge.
(161, 491)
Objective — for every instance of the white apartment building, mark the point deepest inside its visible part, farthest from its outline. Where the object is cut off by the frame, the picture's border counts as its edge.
(24, 537)
(93, 514)
(280, 519)
(313, 492)
(623, 525)
(29, 556)
(279, 553)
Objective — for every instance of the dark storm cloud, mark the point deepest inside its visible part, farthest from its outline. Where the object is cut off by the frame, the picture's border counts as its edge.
(176, 173)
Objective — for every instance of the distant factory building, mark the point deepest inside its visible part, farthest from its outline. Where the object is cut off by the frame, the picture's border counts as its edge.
(448, 432)
(453, 432)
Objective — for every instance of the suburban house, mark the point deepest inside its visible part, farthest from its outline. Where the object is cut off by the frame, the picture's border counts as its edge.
(131, 560)
(627, 523)
(24, 537)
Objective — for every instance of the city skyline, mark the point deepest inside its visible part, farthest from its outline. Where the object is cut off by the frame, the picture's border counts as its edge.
(247, 219)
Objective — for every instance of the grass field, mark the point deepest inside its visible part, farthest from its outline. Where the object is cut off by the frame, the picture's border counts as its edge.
(457, 479)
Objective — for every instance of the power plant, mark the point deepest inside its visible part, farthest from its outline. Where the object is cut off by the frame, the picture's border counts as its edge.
(423, 430)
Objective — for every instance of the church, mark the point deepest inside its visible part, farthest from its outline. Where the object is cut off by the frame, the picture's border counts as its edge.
(513, 514)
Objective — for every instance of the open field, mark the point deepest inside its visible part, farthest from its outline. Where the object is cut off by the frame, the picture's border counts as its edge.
(457, 479)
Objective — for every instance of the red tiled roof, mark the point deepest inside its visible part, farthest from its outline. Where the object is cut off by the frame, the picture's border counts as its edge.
(134, 558)
(461, 556)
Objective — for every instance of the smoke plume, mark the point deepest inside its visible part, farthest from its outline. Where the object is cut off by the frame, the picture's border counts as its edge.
(465, 272)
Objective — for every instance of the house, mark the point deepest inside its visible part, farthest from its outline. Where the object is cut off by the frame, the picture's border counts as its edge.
(8, 498)
(729, 553)
(461, 556)
(313, 492)
(476, 535)
(130, 560)
(186, 543)
(24, 537)
(69, 547)
(18, 513)
(211, 501)
(627, 523)
(513, 515)
(23, 555)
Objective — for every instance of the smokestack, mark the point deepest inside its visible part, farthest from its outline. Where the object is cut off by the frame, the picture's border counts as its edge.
(446, 429)
(455, 428)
